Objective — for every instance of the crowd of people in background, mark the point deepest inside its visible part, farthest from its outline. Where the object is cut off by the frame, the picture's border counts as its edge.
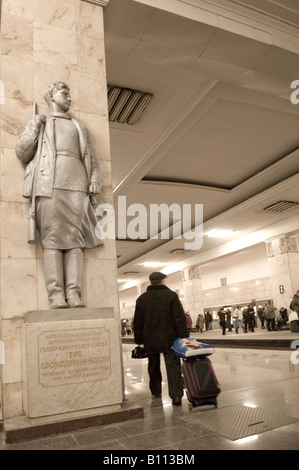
(244, 318)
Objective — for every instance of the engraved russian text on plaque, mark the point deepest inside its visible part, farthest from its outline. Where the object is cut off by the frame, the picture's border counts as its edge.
(73, 356)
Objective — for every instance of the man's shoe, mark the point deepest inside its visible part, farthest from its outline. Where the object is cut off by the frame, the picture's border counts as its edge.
(176, 401)
(156, 400)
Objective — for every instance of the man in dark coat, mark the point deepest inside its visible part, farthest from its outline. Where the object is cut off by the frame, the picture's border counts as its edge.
(160, 319)
(294, 305)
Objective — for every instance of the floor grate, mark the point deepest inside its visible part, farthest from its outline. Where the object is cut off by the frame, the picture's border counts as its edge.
(238, 421)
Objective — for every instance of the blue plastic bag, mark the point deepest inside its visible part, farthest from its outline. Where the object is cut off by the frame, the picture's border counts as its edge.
(190, 348)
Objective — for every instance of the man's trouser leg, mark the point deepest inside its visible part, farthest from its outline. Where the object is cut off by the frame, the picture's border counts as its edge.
(73, 273)
(54, 278)
(174, 375)
(154, 372)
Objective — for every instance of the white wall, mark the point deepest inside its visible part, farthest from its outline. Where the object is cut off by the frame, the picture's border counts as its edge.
(246, 265)
(248, 268)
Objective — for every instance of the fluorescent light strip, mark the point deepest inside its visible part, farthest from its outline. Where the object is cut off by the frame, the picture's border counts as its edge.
(219, 233)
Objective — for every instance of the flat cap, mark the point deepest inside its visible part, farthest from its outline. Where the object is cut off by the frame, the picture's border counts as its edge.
(157, 276)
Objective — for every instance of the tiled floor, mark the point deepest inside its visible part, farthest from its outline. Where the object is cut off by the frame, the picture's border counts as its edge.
(268, 379)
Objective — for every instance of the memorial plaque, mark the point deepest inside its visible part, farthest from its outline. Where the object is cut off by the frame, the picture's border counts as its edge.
(71, 366)
(74, 356)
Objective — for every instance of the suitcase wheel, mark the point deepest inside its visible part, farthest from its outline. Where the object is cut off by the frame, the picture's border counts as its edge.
(206, 401)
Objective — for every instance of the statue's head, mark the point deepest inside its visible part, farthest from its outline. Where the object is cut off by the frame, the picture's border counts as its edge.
(53, 88)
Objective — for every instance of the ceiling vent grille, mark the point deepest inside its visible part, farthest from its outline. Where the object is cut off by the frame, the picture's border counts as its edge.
(281, 206)
(179, 251)
(125, 105)
(130, 273)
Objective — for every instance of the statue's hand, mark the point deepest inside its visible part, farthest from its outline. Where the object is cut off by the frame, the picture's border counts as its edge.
(94, 188)
(39, 120)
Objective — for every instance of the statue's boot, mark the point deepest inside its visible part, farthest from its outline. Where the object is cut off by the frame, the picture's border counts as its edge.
(54, 278)
(73, 273)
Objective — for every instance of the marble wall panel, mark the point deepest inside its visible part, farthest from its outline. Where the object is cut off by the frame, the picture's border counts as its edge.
(14, 224)
(107, 251)
(17, 37)
(17, 75)
(18, 287)
(89, 21)
(12, 399)
(42, 295)
(11, 337)
(55, 46)
(101, 284)
(23, 8)
(14, 116)
(91, 56)
(11, 169)
(92, 94)
(56, 13)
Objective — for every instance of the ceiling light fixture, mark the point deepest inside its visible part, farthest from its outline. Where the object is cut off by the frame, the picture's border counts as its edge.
(151, 264)
(125, 105)
(220, 233)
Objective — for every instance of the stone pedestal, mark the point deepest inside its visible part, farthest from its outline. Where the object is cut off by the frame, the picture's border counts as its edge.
(70, 366)
(71, 374)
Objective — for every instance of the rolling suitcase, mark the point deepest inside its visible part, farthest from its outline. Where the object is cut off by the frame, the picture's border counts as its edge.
(201, 384)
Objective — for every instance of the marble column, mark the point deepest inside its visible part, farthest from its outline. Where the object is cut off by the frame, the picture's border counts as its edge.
(283, 260)
(192, 288)
(42, 42)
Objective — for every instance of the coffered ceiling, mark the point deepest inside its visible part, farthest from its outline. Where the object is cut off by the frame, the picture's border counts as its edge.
(220, 130)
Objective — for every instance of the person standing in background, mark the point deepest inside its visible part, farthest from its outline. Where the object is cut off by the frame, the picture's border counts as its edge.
(208, 320)
(250, 317)
(284, 315)
(188, 321)
(200, 322)
(238, 319)
(222, 320)
(260, 314)
(269, 313)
